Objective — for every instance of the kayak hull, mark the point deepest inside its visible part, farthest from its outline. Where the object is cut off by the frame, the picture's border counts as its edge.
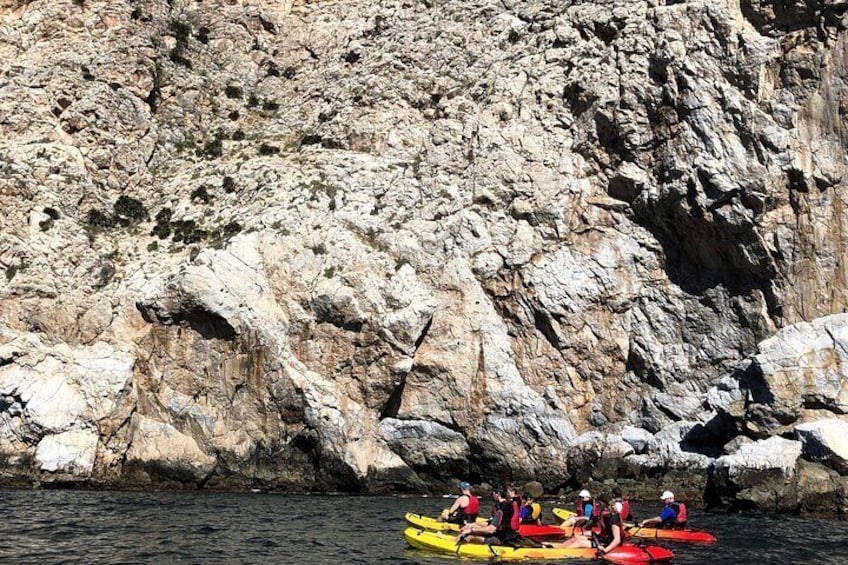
(443, 542)
(691, 536)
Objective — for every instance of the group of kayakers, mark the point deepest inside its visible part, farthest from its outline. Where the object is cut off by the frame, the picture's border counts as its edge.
(598, 523)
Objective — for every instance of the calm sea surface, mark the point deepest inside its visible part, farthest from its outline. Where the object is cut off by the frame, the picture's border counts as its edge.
(61, 526)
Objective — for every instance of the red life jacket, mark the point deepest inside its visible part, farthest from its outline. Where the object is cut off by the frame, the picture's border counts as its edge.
(515, 521)
(625, 510)
(681, 513)
(473, 507)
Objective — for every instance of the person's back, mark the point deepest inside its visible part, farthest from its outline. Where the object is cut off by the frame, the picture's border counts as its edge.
(466, 507)
(473, 509)
(531, 510)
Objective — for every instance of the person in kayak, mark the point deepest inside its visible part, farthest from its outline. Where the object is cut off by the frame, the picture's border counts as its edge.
(531, 511)
(512, 494)
(465, 508)
(618, 496)
(500, 530)
(673, 514)
(585, 510)
(608, 518)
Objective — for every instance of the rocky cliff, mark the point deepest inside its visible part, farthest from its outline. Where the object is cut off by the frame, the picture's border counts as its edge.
(375, 246)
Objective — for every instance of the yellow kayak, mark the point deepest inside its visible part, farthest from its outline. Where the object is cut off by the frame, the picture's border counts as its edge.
(443, 542)
(427, 523)
(562, 514)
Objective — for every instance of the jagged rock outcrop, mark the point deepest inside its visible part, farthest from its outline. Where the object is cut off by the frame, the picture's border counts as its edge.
(825, 440)
(372, 246)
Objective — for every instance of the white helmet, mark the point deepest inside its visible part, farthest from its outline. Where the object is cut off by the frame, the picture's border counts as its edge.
(666, 495)
(585, 494)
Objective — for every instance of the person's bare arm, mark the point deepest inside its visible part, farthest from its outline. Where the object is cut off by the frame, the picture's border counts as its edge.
(616, 540)
(456, 504)
(656, 520)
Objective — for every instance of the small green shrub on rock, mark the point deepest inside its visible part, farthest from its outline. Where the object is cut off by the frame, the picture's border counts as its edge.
(129, 211)
(200, 193)
(233, 91)
(202, 35)
(213, 148)
(266, 149)
(98, 219)
(162, 229)
(187, 231)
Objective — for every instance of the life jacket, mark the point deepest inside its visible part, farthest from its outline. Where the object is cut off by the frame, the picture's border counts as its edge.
(536, 510)
(473, 508)
(515, 519)
(606, 520)
(507, 524)
(530, 513)
(581, 505)
(681, 514)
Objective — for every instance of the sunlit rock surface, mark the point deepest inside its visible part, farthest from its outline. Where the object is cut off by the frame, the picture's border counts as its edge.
(379, 246)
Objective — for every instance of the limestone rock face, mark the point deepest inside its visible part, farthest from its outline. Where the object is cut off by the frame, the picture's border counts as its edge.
(825, 440)
(164, 449)
(803, 366)
(372, 246)
(762, 473)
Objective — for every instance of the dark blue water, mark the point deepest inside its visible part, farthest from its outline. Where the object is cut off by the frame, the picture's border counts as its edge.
(55, 526)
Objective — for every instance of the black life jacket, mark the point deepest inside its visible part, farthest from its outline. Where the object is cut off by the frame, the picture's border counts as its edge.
(607, 520)
(505, 527)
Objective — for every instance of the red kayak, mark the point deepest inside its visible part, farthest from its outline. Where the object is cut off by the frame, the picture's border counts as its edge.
(631, 554)
(542, 532)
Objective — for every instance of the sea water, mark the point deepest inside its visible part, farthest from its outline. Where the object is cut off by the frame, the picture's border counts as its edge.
(72, 526)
